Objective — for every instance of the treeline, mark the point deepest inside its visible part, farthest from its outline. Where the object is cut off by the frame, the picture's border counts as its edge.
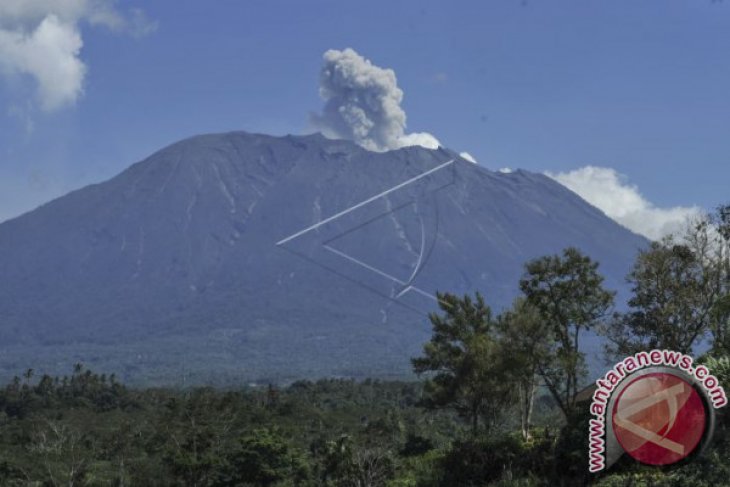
(87, 429)
(487, 368)
(499, 403)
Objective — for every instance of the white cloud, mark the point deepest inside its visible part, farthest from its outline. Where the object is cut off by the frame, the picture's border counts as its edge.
(505, 170)
(29, 13)
(467, 156)
(362, 103)
(609, 191)
(41, 39)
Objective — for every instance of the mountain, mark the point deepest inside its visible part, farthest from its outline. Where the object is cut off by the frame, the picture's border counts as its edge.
(249, 257)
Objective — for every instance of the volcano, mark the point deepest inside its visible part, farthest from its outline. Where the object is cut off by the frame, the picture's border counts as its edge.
(248, 257)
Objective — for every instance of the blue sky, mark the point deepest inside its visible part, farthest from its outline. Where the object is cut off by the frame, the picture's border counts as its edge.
(641, 89)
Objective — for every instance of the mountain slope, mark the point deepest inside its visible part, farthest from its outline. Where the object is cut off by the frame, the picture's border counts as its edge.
(264, 258)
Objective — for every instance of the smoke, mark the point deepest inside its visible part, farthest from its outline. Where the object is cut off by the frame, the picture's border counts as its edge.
(362, 104)
(41, 39)
(50, 55)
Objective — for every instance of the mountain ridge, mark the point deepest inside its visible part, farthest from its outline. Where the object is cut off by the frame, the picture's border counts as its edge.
(176, 260)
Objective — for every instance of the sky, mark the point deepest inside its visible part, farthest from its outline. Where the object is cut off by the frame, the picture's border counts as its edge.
(625, 102)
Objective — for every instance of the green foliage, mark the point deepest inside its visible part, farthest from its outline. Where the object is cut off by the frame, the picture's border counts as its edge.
(332, 433)
(567, 291)
(525, 340)
(673, 293)
(680, 292)
(350, 465)
(495, 460)
(721, 219)
(464, 363)
(88, 429)
(265, 458)
(91, 430)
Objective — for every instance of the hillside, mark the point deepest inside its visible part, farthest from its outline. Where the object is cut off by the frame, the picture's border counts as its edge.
(249, 257)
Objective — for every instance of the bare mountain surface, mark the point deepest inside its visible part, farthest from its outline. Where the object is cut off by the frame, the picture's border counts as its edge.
(246, 257)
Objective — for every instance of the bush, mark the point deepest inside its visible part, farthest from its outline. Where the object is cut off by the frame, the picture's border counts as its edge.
(496, 460)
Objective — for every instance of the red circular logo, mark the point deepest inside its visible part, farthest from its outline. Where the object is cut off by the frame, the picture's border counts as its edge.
(659, 419)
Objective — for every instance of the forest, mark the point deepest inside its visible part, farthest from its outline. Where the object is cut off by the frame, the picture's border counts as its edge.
(500, 400)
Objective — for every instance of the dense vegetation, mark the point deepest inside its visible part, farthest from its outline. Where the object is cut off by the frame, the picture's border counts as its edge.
(499, 403)
(87, 429)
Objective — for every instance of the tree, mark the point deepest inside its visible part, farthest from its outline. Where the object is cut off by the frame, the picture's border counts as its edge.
(525, 344)
(721, 219)
(62, 452)
(198, 434)
(347, 465)
(264, 458)
(676, 285)
(720, 326)
(463, 358)
(567, 292)
(721, 319)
